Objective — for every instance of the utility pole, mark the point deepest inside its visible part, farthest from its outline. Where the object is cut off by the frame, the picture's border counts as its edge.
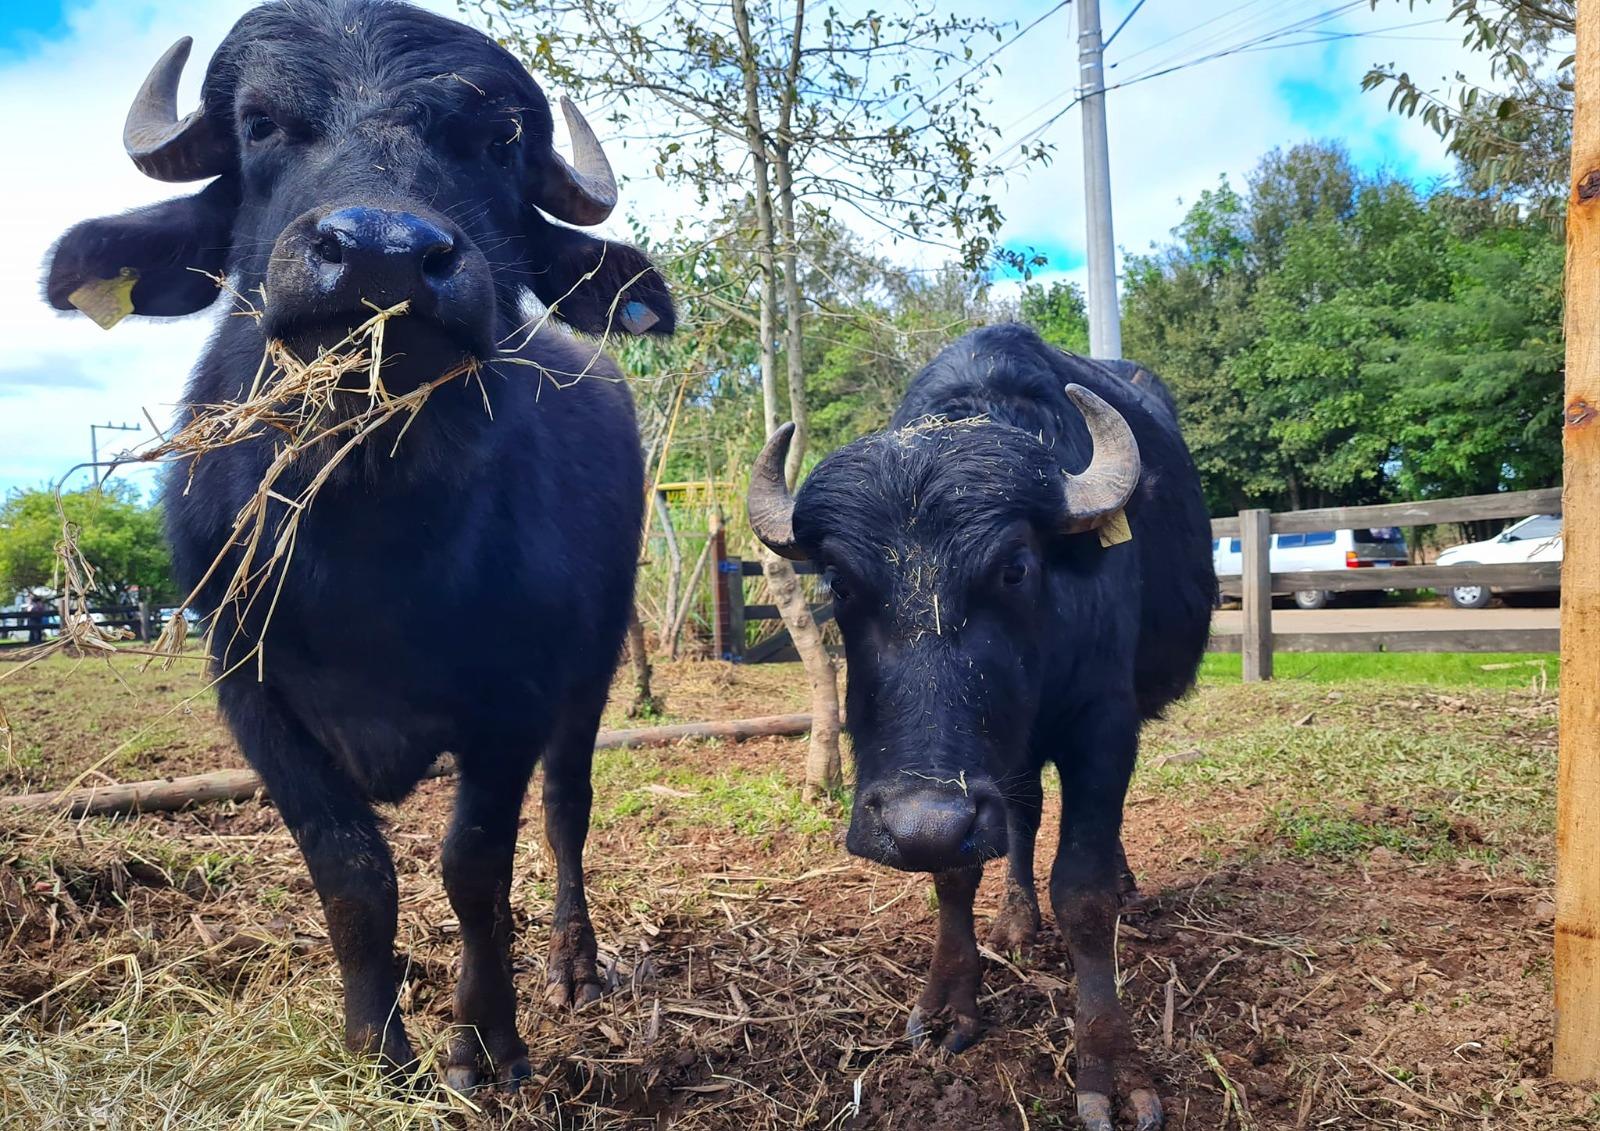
(94, 445)
(1105, 319)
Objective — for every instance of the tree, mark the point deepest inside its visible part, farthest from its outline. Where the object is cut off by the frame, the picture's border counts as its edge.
(796, 115)
(117, 534)
(1058, 312)
(1514, 141)
(1334, 338)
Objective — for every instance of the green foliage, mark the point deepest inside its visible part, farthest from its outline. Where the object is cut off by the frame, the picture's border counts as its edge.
(1513, 138)
(1335, 338)
(1059, 313)
(117, 534)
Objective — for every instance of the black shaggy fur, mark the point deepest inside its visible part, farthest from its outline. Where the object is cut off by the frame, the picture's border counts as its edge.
(466, 593)
(983, 644)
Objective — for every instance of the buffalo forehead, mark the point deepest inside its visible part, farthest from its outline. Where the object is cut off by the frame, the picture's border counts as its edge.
(321, 62)
(928, 483)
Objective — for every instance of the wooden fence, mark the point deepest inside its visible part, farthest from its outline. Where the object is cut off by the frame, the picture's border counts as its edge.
(17, 626)
(732, 614)
(1255, 585)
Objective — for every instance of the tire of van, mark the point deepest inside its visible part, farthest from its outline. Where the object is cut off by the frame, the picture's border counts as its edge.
(1311, 598)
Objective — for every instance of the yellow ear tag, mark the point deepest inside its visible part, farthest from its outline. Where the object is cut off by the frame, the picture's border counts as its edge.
(1114, 531)
(107, 301)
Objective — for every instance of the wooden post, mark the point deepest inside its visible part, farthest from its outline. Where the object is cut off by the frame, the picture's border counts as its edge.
(145, 632)
(1255, 539)
(1577, 941)
(727, 589)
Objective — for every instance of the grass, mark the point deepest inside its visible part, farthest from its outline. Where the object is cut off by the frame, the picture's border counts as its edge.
(1439, 669)
(667, 788)
(1428, 770)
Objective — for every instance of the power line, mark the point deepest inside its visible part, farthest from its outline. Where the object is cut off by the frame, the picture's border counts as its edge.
(1160, 43)
(1122, 25)
(1263, 42)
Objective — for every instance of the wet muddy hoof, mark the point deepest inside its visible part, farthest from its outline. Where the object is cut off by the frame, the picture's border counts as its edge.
(1094, 1111)
(565, 990)
(962, 1032)
(1016, 928)
(1146, 1110)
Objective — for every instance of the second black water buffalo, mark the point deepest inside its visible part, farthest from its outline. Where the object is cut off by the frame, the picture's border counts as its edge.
(1021, 568)
(463, 585)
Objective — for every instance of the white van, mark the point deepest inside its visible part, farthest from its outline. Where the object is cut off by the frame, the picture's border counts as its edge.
(1379, 547)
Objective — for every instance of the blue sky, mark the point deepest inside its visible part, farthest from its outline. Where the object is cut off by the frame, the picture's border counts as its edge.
(23, 24)
(69, 67)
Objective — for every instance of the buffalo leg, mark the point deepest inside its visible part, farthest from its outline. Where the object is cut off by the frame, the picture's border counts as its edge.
(349, 863)
(478, 855)
(953, 981)
(1017, 924)
(568, 794)
(1084, 892)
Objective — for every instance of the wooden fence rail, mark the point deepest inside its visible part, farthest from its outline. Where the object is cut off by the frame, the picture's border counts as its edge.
(1257, 582)
(1428, 512)
(732, 614)
(17, 626)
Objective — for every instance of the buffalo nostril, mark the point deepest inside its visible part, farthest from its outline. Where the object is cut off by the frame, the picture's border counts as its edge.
(439, 260)
(328, 248)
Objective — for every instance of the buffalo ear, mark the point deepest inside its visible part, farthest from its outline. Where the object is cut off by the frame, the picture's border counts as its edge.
(170, 251)
(596, 285)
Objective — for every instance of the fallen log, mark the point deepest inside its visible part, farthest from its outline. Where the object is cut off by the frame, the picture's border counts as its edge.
(167, 794)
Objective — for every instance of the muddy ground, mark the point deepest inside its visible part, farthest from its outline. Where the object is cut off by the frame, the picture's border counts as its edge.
(1346, 923)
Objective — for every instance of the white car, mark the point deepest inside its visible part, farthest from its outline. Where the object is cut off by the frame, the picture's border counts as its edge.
(1381, 547)
(1533, 539)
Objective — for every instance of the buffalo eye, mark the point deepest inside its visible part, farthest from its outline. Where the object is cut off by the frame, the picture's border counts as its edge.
(836, 586)
(503, 147)
(259, 127)
(1014, 573)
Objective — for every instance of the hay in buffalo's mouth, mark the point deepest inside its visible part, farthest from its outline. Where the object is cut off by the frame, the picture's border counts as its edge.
(321, 411)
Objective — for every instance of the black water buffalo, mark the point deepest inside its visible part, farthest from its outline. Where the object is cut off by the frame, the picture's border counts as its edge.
(464, 587)
(997, 617)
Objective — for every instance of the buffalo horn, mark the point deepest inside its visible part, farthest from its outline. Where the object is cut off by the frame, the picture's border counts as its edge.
(585, 191)
(768, 501)
(163, 146)
(1101, 489)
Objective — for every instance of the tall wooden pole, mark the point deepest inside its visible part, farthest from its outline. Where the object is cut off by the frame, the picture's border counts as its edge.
(1577, 957)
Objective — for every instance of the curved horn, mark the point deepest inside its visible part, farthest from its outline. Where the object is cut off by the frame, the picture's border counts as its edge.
(162, 145)
(584, 192)
(770, 506)
(1102, 488)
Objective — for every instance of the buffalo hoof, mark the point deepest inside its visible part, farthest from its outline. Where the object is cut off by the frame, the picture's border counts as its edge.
(1146, 1110)
(567, 990)
(468, 1077)
(574, 981)
(962, 1034)
(1017, 926)
(1094, 1110)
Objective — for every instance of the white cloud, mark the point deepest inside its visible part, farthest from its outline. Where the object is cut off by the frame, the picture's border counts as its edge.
(1170, 138)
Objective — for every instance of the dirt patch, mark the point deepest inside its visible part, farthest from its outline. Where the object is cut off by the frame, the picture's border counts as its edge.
(760, 978)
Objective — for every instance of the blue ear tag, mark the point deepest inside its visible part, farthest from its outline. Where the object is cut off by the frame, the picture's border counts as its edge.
(636, 317)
